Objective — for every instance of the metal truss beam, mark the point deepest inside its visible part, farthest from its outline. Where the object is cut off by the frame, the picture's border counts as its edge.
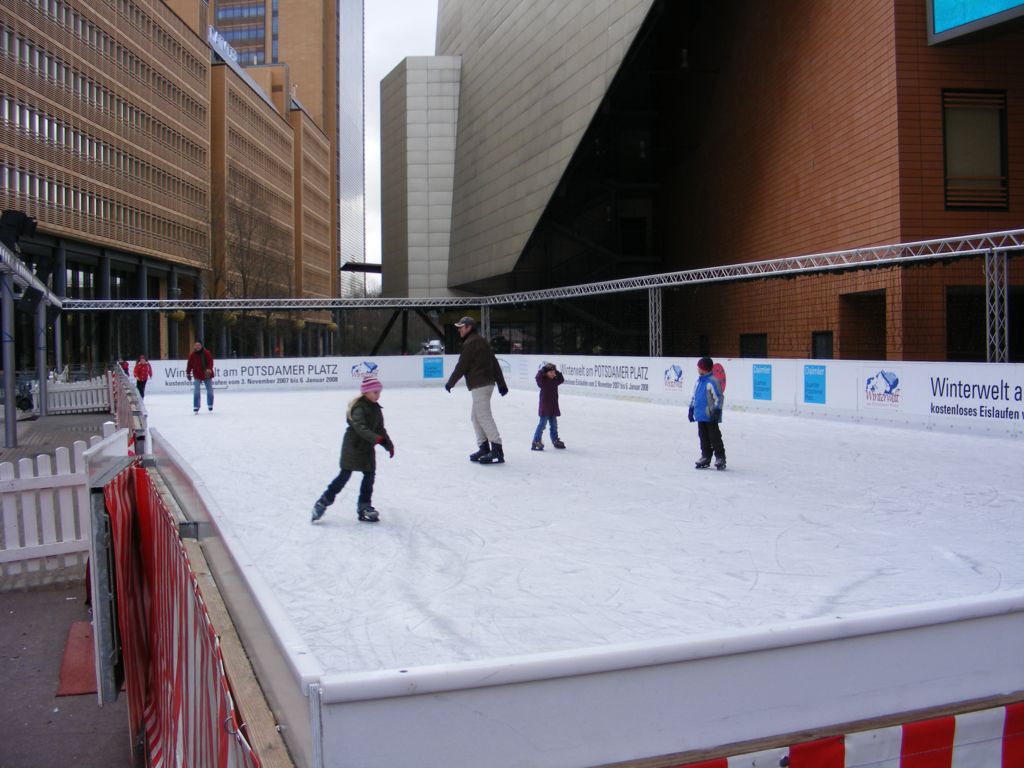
(995, 304)
(945, 249)
(93, 305)
(858, 258)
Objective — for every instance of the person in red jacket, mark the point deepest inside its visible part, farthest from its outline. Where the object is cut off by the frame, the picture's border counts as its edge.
(142, 372)
(200, 369)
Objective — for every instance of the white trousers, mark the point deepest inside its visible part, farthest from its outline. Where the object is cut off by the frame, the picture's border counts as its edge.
(483, 421)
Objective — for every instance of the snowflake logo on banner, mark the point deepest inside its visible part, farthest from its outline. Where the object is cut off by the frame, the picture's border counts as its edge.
(882, 390)
(674, 377)
(359, 370)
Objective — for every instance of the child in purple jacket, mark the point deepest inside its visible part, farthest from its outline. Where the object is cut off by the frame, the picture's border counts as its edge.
(548, 378)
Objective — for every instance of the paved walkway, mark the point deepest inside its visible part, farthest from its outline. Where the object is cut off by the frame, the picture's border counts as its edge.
(38, 729)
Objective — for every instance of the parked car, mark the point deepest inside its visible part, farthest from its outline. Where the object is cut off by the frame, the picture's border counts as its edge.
(433, 347)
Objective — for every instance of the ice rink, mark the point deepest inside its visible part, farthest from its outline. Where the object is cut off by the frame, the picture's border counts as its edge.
(616, 540)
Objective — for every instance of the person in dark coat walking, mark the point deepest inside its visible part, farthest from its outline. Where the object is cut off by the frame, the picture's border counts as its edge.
(365, 431)
(548, 378)
(706, 410)
(483, 372)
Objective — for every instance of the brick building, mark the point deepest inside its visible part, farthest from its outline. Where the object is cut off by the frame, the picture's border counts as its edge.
(648, 136)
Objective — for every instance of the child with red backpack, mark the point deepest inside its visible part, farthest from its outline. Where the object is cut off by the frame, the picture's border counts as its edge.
(706, 410)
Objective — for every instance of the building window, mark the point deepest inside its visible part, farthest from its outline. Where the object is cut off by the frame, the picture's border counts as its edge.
(974, 145)
(821, 345)
(754, 345)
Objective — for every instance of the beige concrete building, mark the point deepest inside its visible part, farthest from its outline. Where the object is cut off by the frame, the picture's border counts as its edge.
(419, 118)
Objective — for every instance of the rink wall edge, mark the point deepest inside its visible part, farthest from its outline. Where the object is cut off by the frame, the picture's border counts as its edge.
(596, 706)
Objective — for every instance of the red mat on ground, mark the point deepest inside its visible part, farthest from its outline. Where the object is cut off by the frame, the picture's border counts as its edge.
(78, 668)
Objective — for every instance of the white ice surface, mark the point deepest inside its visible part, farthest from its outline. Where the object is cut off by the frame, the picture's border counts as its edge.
(615, 540)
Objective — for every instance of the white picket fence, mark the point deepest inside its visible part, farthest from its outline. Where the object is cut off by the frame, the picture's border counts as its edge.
(89, 396)
(45, 509)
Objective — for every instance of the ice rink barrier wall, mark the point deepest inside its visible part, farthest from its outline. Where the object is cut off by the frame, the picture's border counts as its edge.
(601, 705)
(977, 397)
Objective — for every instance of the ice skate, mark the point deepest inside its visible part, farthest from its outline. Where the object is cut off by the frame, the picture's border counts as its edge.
(318, 510)
(537, 446)
(368, 514)
(485, 448)
(703, 463)
(720, 464)
(558, 444)
(495, 456)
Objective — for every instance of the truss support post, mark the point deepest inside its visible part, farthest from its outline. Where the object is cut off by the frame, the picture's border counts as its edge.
(405, 331)
(485, 322)
(995, 305)
(654, 322)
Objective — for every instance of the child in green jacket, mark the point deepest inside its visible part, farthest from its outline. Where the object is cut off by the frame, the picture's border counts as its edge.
(365, 431)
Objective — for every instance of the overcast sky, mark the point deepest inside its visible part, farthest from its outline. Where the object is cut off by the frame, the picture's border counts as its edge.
(394, 29)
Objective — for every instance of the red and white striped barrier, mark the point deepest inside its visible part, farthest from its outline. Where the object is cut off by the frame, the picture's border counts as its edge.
(177, 689)
(990, 738)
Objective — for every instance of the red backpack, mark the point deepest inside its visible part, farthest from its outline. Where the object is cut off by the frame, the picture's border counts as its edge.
(718, 371)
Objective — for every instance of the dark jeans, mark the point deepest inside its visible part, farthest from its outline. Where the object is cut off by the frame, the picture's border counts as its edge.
(710, 435)
(141, 386)
(545, 421)
(365, 488)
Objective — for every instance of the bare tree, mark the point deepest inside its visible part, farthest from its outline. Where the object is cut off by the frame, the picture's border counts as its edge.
(256, 254)
(257, 261)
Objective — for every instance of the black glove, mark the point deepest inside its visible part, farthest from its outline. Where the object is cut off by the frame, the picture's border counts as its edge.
(389, 447)
(502, 391)
(448, 388)
(716, 415)
(689, 413)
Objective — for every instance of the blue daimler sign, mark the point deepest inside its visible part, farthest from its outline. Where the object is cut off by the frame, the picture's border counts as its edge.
(762, 382)
(814, 384)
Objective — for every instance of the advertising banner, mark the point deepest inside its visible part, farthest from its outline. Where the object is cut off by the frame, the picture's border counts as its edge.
(987, 397)
(287, 373)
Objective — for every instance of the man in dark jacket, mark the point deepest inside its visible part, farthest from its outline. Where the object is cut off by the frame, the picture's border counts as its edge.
(200, 369)
(482, 371)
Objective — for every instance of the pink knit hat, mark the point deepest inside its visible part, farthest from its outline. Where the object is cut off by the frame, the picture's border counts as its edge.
(370, 384)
